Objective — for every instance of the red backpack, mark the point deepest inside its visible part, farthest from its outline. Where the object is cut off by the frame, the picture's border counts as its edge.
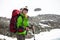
(15, 14)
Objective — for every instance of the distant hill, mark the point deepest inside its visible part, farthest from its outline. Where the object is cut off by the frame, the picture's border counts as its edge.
(42, 23)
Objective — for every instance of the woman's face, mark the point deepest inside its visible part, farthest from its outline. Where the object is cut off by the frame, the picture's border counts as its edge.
(25, 12)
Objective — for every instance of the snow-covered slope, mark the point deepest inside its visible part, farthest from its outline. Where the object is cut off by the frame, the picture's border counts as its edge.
(52, 35)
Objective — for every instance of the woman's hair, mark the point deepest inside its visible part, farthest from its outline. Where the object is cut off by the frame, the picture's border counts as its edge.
(24, 9)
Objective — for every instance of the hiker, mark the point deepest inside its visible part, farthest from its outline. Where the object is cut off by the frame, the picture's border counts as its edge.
(22, 24)
(12, 26)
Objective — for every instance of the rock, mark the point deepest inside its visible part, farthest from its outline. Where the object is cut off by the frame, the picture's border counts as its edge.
(48, 19)
(37, 9)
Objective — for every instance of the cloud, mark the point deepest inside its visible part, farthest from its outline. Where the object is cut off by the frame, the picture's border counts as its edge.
(47, 6)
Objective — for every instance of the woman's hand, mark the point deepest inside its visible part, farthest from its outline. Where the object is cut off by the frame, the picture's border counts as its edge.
(27, 28)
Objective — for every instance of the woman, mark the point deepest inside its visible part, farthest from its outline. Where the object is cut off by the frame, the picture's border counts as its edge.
(22, 24)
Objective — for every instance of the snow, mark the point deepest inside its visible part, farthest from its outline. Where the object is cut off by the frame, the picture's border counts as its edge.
(44, 25)
(54, 34)
(46, 20)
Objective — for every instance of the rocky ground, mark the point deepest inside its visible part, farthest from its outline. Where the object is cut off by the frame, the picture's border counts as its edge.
(41, 23)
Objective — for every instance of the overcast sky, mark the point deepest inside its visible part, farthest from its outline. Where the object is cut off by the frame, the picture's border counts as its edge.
(47, 6)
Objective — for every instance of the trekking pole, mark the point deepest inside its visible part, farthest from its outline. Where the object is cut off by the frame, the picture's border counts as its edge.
(34, 36)
(33, 31)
